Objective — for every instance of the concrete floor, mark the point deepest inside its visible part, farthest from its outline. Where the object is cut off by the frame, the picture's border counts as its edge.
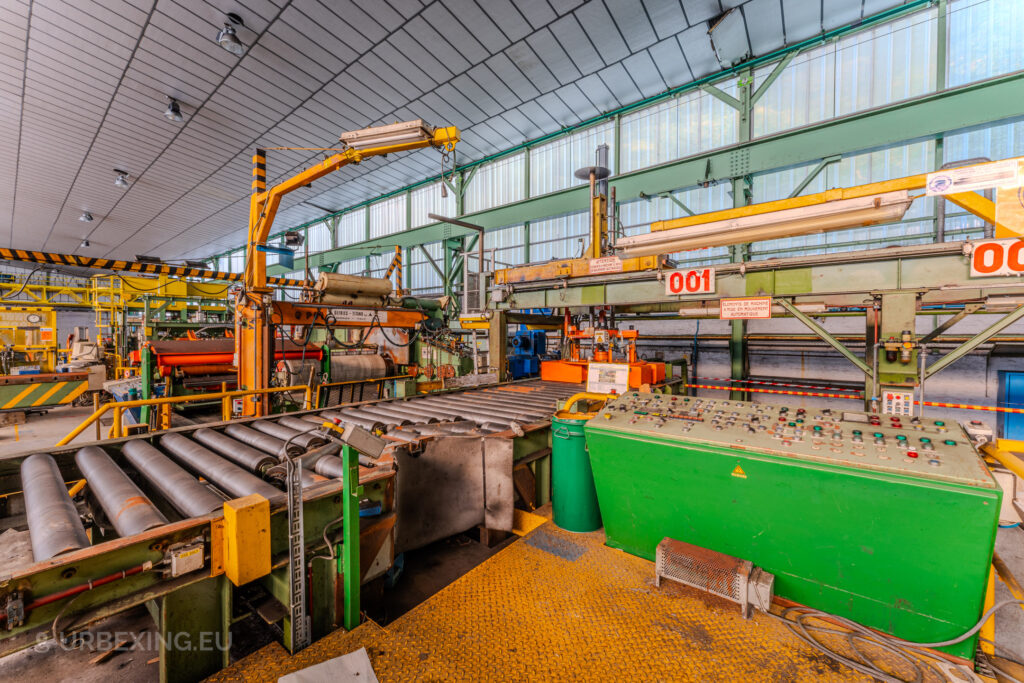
(45, 429)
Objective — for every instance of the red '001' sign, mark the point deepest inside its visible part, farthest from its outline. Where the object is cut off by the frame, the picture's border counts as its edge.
(997, 257)
(690, 281)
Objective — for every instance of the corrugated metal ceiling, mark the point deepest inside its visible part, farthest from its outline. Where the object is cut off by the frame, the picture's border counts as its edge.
(84, 84)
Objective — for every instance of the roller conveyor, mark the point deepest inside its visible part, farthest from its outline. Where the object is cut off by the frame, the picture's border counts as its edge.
(127, 508)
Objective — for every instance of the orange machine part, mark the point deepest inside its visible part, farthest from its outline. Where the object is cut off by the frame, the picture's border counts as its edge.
(575, 372)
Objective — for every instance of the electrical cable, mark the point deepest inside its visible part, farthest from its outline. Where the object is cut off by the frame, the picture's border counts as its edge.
(908, 651)
(24, 284)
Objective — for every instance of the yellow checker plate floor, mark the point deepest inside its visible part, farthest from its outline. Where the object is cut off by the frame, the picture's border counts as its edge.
(561, 606)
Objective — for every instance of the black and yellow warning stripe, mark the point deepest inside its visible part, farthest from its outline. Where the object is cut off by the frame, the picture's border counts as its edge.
(133, 266)
(259, 171)
(21, 396)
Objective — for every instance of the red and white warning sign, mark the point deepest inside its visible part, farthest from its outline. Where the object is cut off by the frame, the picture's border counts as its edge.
(700, 281)
(992, 258)
(749, 308)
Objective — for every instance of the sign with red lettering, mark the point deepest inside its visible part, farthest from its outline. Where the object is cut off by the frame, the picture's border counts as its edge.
(993, 258)
(753, 308)
(700, 281)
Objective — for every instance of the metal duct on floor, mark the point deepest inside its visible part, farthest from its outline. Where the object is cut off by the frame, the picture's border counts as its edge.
(183, 491)
(53, 522)
(127, 508)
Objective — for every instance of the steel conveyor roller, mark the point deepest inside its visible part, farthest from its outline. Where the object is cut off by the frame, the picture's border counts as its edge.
(127, 508)
(235, 451)
(225, 475)
(262, 441)
(53, 522)
(291, 428)
(183, 491)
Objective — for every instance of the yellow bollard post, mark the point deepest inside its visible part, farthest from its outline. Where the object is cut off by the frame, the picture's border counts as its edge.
(116, 428)
(225, 403)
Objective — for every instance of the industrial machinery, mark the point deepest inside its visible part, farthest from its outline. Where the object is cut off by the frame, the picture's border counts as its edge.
(193, 524)
(257, 315)
(607, 344)
(528, 347)
(893, 500)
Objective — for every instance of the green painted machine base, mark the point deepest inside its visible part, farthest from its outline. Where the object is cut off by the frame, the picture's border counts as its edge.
(904, 555)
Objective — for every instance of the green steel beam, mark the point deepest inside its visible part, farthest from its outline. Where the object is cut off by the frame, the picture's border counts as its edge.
(975, 341)
(824, 335)
(812, 175)
(967, 310)
(723, 96)
(776, 72)
(922, 118)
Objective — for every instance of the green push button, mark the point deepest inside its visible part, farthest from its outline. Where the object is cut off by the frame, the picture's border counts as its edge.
(925, 439)
(940, 423)
(800, 421)
(856, 432)
(639, 412)
(792, 424)
(817, 428)
(949, 442)
(878, 435)
(900, 437)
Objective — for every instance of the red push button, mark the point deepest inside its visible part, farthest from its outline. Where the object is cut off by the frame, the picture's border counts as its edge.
(911, 454)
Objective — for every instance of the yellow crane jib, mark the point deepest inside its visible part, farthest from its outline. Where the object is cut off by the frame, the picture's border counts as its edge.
(253, 314)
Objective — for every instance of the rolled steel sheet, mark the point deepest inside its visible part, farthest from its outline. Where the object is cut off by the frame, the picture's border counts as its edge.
(295, 429)
(262, 441)
(341, 283)
(418, 407)
(473, 410)
(407, 412)
(310, 459)
(389, 421)
(224, 474)
(374, 425)
(53, 523)
(126, 506)
(392, 415)
(185, 493)
(237, 452)
(356, 367)
(330, 466)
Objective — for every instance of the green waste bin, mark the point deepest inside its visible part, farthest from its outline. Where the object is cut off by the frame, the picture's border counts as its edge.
(573, 496)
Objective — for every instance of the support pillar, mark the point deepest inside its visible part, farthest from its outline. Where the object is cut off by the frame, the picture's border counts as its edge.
(497, 343)
(194, 635)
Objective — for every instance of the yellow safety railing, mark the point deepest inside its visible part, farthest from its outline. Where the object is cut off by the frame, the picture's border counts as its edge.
(118, 407)
(567, 411)
(350, 382)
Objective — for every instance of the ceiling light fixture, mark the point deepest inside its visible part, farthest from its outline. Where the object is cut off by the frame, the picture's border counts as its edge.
(122, 178)
(833, 215)
(227, 38)
(86, 217)
(393, 134)
(173, 111)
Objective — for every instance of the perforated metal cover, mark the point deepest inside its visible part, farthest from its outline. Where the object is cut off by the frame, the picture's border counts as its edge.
(707, 570)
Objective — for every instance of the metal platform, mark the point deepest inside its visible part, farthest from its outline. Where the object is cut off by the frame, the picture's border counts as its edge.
(561, 606)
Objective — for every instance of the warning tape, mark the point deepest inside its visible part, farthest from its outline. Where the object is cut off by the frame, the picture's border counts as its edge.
(933, 404)
(772, 384)
(775, 391)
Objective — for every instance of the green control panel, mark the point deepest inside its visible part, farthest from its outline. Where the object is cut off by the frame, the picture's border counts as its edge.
(886, 520)
(932, 449)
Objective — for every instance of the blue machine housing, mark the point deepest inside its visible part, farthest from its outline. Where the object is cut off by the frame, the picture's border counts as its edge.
(527, 348)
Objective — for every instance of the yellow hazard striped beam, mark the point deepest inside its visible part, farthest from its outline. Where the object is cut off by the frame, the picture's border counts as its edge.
(133, 266)
(21, 396)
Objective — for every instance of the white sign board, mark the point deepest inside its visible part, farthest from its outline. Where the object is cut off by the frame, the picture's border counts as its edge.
(993, 258)
(358, 315)
(700, 281)
(970, 178)
(607, 264)
(753, 308)
(608, 378)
